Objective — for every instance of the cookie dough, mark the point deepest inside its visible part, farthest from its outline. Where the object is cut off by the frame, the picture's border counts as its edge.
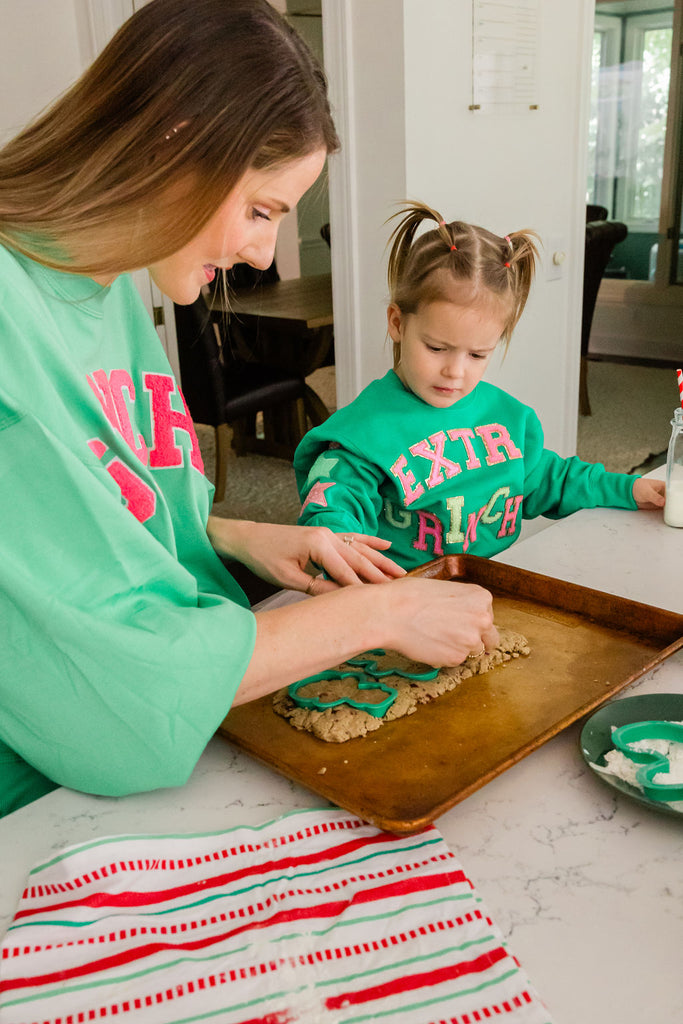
(341, 723)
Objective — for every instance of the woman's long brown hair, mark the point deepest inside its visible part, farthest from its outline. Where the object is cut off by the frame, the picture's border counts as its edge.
(132, 161)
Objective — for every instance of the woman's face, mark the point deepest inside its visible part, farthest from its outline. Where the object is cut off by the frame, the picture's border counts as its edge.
(242, 230)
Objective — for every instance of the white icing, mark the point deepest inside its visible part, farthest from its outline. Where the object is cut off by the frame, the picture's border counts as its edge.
(624, 768)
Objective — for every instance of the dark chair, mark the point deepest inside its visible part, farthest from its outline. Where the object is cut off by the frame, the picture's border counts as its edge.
(596, 213)
(601, 238)
(223, 389)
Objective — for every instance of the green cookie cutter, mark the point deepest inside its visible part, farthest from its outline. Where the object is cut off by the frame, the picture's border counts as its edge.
(371, 668)
(651, 761)
(368, 675)
(364, 682)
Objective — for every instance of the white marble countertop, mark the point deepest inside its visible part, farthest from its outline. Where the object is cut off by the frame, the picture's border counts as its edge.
(586, 884)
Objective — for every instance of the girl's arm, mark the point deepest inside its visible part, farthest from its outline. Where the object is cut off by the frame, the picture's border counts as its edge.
(340, 490)
(433, 621)
(556, 487)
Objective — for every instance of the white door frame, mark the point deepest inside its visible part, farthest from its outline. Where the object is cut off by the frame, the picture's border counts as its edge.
(338, 50)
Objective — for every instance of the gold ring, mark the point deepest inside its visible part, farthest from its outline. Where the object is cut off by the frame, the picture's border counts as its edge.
(308, 588)
(348, 538)
(478, 654)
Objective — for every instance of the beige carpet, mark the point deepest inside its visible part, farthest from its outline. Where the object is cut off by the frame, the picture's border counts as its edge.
(632, 408)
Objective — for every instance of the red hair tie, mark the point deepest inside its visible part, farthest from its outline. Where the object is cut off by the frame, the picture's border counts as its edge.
(507, 264)
(454, 248)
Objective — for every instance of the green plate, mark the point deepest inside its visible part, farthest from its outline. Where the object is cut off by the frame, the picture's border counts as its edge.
(596, 736)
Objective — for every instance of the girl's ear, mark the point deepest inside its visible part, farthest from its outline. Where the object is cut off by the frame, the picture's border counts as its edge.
(394, 321)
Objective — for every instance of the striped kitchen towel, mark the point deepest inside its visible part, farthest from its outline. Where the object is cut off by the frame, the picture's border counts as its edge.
(315, 917)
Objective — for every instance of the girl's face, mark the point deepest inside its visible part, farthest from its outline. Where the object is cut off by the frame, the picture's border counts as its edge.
(444, 348)
(242, 230)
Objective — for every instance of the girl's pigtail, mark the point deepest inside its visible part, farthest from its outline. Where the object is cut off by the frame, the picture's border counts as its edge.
(403, 235)
(520, 255)
(445, 230)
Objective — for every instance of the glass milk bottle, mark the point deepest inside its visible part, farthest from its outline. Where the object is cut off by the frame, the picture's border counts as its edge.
(673, 509)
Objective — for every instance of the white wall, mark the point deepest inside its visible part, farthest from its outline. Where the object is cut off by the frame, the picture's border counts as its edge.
(410, 89)
(364, 51)
(43, 49)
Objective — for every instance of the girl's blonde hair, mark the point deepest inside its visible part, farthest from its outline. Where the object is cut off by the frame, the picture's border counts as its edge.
(131, 162)
(460, 263)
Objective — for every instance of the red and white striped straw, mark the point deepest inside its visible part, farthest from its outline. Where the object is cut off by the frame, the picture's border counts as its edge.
(679, 374)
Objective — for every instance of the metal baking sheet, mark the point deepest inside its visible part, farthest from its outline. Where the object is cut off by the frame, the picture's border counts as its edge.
(586, 646)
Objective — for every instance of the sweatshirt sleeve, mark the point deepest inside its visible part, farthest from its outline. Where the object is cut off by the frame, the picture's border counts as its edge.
(340, 491)
(116, 667)
(557, 487)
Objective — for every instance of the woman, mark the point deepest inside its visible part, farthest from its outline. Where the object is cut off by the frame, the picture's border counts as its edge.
(126, 640)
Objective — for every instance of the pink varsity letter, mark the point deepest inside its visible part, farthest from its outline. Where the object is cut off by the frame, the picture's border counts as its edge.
(99, 382)
(165, 421)
(495, 436)
(109, 391)
(509, 523)
(120, 381)
(429, 525)
(406, 480)
(465, 435)
(437, 459)
(472, 524)
(139, 498)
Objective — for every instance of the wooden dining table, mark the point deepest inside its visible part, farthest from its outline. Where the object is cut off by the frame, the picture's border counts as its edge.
(303, 300)
(292, 320)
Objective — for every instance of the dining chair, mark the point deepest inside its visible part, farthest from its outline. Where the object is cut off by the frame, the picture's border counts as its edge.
(595, 212)
(227, 390)
(278, 343)
(602, 236)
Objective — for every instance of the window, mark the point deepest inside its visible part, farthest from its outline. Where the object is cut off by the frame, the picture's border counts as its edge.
(602, 128)
(644, 103)
(631, 72)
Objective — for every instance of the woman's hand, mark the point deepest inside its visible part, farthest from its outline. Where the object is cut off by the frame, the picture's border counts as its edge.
(432, 621)
(648, 493)
(294, 557)
(439, 621)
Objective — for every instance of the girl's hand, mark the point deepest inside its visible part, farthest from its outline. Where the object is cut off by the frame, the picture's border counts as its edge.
(648, 493)
(294, 556)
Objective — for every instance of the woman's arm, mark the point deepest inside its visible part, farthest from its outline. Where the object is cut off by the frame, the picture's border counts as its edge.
(289, 556)
(434, 621)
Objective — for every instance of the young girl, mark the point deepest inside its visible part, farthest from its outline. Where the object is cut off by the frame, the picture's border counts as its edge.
(430, 457)
(124, 638)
